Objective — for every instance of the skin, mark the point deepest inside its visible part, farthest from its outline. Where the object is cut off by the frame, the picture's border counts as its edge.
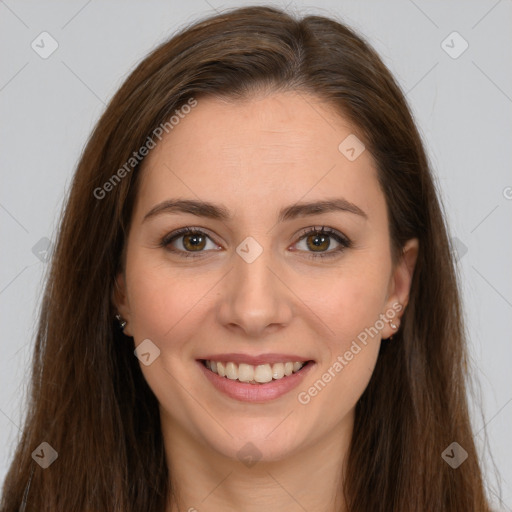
(255, 157)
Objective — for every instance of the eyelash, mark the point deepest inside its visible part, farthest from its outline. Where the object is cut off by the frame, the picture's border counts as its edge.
(344, 242)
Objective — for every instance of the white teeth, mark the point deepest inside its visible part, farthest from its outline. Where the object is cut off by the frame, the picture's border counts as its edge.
(297, 366)
(278, 370)
(245, 372)
(231, 371)
(261, 373)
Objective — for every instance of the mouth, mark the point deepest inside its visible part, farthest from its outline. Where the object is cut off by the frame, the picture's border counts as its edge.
(254, 374)
(255, 379)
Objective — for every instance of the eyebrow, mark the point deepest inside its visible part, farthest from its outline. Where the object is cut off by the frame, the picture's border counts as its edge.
(220, 212)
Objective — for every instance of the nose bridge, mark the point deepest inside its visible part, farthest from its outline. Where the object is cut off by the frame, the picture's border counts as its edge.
(255, 297)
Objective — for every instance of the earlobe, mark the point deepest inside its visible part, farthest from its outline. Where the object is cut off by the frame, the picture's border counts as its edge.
(401, 285)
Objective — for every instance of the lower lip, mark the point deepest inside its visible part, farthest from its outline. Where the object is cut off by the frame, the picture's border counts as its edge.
(255, 392)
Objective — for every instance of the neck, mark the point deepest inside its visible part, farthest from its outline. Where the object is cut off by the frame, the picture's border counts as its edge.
(308, 479)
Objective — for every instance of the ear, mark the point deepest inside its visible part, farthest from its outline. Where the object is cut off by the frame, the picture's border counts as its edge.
(400, 286)
(120, 301)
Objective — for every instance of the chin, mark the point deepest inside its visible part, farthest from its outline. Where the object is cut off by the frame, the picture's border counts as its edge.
(260, 441)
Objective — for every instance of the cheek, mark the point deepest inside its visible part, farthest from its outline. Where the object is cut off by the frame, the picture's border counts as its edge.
(351, 308)
(165, 307)
(353, 300)
(158, 298)
(350, 354)
(168, 304)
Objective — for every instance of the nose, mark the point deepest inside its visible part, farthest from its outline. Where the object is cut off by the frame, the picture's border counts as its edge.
(255, 300)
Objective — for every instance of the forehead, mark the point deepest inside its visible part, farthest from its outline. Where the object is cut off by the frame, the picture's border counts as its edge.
(277, 148)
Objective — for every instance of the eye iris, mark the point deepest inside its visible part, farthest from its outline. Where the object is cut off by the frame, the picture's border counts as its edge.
(319, 240)
(197, 241)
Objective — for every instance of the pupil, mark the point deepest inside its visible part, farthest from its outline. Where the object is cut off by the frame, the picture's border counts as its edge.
(193, 240)
(322, 238)
(319, 240)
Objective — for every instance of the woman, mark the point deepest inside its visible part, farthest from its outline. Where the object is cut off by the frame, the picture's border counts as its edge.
(252, 303)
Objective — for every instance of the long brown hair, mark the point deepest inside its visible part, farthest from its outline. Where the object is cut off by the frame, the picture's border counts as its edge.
(89, 400)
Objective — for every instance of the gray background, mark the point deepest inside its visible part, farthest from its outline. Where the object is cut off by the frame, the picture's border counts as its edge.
(462, 105)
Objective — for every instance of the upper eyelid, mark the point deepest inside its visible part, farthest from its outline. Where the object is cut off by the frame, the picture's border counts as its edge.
(322, 229)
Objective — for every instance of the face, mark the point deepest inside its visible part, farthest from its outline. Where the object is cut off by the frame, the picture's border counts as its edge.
(256, 284)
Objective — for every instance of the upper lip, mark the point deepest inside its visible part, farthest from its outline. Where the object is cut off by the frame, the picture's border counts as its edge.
(256, 360)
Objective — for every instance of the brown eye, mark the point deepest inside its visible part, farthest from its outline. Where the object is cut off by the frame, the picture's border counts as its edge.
(318, 241)
(192, 241)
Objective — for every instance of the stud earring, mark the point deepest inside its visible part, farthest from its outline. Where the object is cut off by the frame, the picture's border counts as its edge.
(394, 326)
(122, 322)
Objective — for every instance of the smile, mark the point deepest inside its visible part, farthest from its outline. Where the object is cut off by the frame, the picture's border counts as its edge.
(254, 374)
(254, 379)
